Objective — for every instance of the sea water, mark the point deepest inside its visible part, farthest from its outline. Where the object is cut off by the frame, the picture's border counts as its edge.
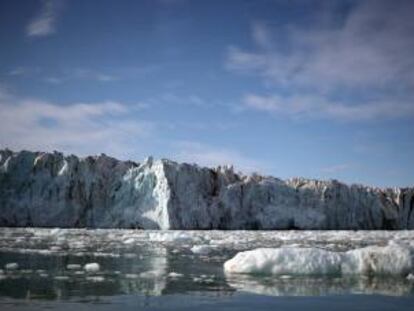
(63, 269)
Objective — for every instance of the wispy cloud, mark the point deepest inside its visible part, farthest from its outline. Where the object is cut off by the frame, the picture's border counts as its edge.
(62, 76)
(88, 74)
(17, 71)
(82, 128)
(211, 156)
(44, 23)
(365, 59)
(320, 107)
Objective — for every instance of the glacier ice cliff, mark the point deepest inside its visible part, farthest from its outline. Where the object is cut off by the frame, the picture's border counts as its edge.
(54, 190)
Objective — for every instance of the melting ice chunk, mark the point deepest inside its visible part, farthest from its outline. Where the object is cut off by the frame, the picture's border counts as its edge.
(12, 266)
(373, 260)
(91, 267)
(202, 249)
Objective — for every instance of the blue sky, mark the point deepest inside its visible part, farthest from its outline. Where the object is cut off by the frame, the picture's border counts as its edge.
(320, 89)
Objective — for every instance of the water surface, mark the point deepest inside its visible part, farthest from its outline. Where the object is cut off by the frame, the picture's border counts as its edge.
(155, 270)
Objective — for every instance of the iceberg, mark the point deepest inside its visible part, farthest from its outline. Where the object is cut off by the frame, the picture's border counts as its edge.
(92, 267)
(392, 259)
(40, 189)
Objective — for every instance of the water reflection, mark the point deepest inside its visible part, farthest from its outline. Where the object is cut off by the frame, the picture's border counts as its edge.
(317, 286)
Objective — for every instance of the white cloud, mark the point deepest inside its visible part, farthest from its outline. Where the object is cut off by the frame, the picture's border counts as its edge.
(88, 74)
(367, 59)
(319, 107)
(44, 23)
(81, 128)
(210, 156)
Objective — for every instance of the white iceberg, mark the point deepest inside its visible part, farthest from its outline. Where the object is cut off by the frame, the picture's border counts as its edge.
(92, 267)
(202, 249)
(373, 260)
(11, 266)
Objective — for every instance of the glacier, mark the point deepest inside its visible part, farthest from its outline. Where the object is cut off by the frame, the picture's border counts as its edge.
(42, 189)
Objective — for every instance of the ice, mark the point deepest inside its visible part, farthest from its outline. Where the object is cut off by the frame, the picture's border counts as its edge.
(11, 266)
(61, 278)
(202, 249)
(73, 267)
(129, 241)
(95, 278)
(175, 275)
(301, 261)
(152, 273)
(376, 260)
(372, 260)
(164, 264)
(171, 237)
(162, 194)
(92, 267)
(410, 277)
(56, 231)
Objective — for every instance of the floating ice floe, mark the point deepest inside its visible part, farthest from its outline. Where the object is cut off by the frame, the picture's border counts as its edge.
(95, 279)
(175, 275)
(202, 249)
(171, 237)
(129, 241)
(11, 266)
(61, 278)
(373, 260)
(92, 267)
(73, 267)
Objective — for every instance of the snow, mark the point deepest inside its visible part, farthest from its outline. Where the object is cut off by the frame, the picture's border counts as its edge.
(372, 260)
(92, 267)
(162, 194)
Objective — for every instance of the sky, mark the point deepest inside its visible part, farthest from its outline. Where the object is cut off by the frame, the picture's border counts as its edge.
(318, 89)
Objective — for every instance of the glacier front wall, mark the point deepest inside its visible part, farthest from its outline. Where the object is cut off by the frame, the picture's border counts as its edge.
(52, 190)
